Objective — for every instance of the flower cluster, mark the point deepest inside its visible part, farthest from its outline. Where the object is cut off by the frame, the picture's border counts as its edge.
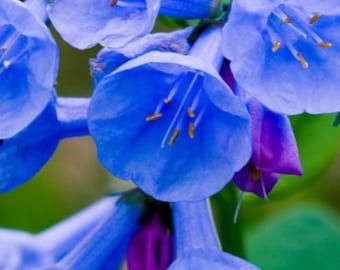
(180, 114)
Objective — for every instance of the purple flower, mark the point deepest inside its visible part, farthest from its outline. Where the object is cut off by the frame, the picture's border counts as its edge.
(274, 151)
(151, 246)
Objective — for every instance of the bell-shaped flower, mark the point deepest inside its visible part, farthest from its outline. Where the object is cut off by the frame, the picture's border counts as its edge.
(170, 124)
(31, 148)
(115, 23)
(151, 246)
(24, 251)
(108, 60)
(197, 245)
(105, 245)
(274, 151)
(28, 66)
(286, 53)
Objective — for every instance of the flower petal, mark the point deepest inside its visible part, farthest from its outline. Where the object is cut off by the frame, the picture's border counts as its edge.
(96, 21)
(29, 53)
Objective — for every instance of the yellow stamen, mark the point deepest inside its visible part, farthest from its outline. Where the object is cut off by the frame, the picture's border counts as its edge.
(191, 113)
(174, 137)
(287, 20)
(153, 117)
(325, 44)
(276, 46)
(191, 130)
(302, 60)
(167, 100)
(314, 18)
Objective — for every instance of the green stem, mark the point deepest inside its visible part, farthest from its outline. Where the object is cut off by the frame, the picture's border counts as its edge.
(223, 206)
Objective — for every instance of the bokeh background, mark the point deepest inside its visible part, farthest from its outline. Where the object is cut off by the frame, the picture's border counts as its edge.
(297, 228)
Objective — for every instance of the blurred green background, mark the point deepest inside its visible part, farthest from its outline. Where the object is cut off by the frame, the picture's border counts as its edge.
(297, 228)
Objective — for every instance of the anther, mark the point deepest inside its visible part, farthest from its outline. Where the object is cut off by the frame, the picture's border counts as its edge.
(3, 48)
(153, 117)
(174, 137)
(191, 113)
(302, 60)
(276, 46)
(314, 18)
(325, 44)
(286, 20)
(255, 173)
(167, 101)
(6, 63)
(191, 130)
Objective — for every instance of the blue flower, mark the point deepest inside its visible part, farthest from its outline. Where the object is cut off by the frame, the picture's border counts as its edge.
(170, 124)
(286, 53)
(115, 23)
(274, 151)
(197, 246)
(61, 119)
(23, 251)
(28, 67)
(104, 246)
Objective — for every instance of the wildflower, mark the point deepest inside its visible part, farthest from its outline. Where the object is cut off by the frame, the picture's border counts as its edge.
(24, 251)
(197, 246)
(290, 60)
(28, 67)
(274, 151)
(61, 119)
(151, 246)
(115, 23)
(170, 124)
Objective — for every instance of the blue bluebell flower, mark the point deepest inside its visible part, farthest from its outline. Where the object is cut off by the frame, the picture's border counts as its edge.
(23, 251)
(28, 67)
(62, 118)
(105, 245)
(286, 53)
(197, 245)
(170, 124)
(113, 23)
(108, 60)
(274, 151)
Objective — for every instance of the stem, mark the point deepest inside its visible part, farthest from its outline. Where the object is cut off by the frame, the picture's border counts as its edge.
(72, 117)
(104, 238)
(224, 205)
(208, 46)
(38, 7)
(62, 237)
(194, 227)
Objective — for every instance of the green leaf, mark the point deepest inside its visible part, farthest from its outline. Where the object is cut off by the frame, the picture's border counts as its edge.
(300, 238)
